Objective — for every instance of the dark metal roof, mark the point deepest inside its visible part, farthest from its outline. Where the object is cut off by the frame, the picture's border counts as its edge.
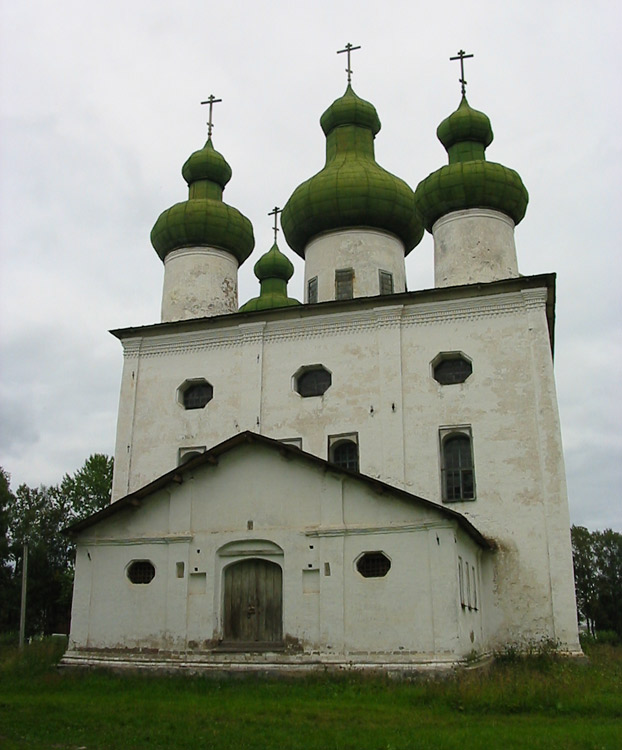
(176, 476)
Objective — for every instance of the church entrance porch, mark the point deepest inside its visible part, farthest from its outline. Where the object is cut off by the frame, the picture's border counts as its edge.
(253, 605)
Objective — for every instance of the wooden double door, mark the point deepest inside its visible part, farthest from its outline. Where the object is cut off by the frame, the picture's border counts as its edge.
(253, 613)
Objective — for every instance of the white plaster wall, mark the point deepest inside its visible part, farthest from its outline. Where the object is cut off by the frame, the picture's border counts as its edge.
(473, 246)
(366, 251)
(199, 282)
(304, 519)
(383, 389)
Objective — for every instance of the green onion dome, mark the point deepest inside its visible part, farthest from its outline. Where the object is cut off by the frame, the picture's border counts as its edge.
(204, 220)
(352, 190)
(273, 270)
(469, 181)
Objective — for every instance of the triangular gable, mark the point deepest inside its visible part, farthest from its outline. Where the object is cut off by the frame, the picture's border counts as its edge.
(211, 457)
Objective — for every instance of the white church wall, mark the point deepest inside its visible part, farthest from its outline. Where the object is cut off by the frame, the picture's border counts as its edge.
(475, 245)
(198, 282)
(302, 518)
(383, 390)
(365, 251)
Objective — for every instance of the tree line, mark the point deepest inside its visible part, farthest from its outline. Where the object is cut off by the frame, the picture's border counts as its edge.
(39, 515)
(597, 557)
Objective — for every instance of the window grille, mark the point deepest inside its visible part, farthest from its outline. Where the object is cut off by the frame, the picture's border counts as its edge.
(312, 291)
(141, 571)
(386, 282)
(197, 396)
(452, 370)
(344, 283)
(313, 382)
(373, 565)
(458, 475)
(345, 454)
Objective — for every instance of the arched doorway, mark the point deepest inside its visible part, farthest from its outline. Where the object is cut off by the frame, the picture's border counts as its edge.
(253, 603)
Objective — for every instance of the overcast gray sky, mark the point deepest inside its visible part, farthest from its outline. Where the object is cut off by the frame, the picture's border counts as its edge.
(100, 108)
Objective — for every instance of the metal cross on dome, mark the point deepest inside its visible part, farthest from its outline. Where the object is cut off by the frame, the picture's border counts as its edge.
(275, 212)
(211, 100)
(462, 56)
(348, 48)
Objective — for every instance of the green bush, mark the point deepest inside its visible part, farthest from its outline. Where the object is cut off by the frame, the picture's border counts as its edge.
(36, 658)
(609, 637)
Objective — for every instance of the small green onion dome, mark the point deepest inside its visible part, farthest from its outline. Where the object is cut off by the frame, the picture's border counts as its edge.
(204, 220)
(469, 181)
(352, 190)
(273, 270)
(349, 109)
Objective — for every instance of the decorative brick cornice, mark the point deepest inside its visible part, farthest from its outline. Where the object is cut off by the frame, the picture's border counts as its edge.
(409, 313)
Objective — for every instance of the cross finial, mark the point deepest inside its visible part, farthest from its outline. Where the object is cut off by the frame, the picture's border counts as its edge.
(275, 212)
(348, 48)
(211, 100)
(462, 56)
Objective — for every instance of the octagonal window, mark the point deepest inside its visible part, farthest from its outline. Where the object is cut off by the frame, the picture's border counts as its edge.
(312, 380)
(195, 394)
(141, 571)
(451, 367)
(373, 565)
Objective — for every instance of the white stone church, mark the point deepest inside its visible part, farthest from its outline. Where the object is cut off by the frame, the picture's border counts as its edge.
(373, 478)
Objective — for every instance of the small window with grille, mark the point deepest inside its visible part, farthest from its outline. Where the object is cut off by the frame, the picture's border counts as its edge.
(386, 282)
(141, 571)
(195, 393)
(450, 368)
(373, 565)
(312, 291)
(314, 380)
(345, 454)
(344, 283)
(197, 396)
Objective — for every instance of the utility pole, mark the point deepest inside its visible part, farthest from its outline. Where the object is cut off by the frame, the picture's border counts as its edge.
(22, 614)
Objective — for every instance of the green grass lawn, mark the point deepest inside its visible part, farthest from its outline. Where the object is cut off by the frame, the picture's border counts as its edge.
(533, 703)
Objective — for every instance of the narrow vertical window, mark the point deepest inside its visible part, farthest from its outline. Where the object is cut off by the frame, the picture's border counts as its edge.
(457, 467)
(461, 581)
(344, 283)
(312, 291)
(468, 586)
(474, 587)
(386, 282)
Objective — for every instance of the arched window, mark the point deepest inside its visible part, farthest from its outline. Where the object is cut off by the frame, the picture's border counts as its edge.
(345, 453)
(458, 475)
